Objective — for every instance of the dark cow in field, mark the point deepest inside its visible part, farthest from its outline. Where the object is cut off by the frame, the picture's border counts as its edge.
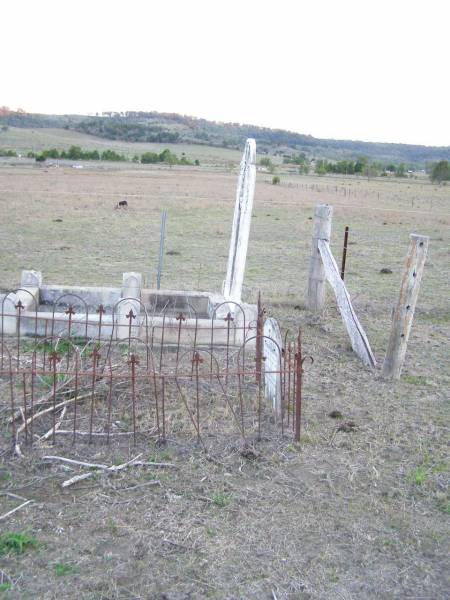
(122, 204)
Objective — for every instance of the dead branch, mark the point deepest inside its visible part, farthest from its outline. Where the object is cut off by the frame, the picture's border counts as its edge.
(11, 495)
(49, 410)
(56, 427)
(45, 398)
(79, 463)
(101, 433)
(141, 485)
(100, 468)
(133, 462)
(11, 512)
(77, 478)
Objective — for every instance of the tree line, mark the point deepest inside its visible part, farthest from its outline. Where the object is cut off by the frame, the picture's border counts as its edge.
(77, 153)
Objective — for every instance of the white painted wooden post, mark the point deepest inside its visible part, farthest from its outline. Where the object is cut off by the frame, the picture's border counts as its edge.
(315, 298)
(232, 289)
(404, 311)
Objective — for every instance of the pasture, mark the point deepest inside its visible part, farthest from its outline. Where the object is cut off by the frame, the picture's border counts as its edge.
(351, 513)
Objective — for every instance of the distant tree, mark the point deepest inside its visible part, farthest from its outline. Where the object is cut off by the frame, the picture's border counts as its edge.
(400, 171)
(74, 153)
(303, 169)
(440, 172)
(321, 167)
(196, 162)
(112, 155)
(135, 158)
(171, 159)
(149, 158)
(275, 180)
(168, 157)
(370, 170)
(11, 153)
(40, 158)
(52, 153)
(266, 161)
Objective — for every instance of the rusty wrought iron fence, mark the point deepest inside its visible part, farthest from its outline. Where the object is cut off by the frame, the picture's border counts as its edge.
(168, 376)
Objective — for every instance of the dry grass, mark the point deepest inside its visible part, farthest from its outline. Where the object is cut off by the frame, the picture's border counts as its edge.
(349, 515)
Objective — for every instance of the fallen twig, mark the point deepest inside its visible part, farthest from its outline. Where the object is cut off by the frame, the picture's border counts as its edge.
(48, 410)
(133, 462)
(16, 496)
(45, 398)
(71, 461)
(97, 433)
(56, 427)
(11, 512)
(99, 468)
(141, 485)
(77, 478)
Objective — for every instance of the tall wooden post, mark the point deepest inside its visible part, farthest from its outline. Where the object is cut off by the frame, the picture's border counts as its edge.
(404, 311)
(315, 299)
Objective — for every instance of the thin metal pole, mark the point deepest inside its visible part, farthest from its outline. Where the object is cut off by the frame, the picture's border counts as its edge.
(344, 254)
(162, 238)
(298, 388)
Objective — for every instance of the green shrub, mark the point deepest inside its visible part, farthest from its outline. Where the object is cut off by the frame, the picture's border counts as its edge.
(16, 542)
(221, 500)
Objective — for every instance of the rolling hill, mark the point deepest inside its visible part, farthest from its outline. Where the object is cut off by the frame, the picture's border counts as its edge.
(169, 128)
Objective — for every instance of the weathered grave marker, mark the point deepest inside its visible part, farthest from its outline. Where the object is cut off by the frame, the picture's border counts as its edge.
(232, 289)
(272, 346)
(129, 309)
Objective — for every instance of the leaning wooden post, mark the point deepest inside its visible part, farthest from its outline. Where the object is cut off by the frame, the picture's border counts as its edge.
(232, 288)
(404, 311)
(315, 299)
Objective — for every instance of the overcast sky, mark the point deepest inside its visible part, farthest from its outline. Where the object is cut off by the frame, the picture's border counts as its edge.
(348, 69)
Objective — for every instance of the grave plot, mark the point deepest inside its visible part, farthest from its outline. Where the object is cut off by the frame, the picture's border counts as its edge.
(77, 385)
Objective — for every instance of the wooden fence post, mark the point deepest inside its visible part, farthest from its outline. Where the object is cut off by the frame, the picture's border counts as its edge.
(404, 311)
(315, 299)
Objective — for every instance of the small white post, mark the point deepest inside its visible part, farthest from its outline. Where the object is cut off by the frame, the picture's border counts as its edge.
(232, 289)
(315, 299)
(404, 312)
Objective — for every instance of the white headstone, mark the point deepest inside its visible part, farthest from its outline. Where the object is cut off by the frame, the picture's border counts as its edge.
(31, 279)
(129, 310)
(272, 347)
(131, 285)
(8, 317)
(232, 289)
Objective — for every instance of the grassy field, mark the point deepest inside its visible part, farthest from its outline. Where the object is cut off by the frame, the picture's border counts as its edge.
(347, 515)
